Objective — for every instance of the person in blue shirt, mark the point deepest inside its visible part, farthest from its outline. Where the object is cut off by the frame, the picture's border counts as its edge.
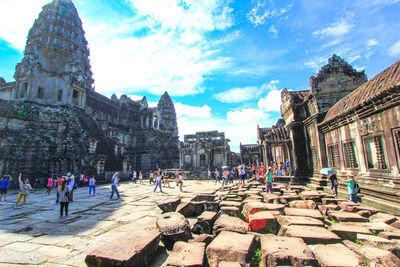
(114, 188)
(351, 188)
(4, 183)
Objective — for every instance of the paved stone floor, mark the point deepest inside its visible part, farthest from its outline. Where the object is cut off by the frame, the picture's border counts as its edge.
(35, 233)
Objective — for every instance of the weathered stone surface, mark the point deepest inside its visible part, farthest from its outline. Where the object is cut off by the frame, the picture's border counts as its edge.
(187, 254)
(281, 250)
(205, 238)
(231, 247)
(363, 207)
(349, 231)
(229, 223)
(173, 227)
(364, 213)
(329, 200)
(205, 223)
(189, 209)
(298, 220)
(231, 211)
(348, 206)
(390, 235)
(376, 241)
(336, 255)
(230, 203)
(252, 207)
(285, 199)
(304, 212)
(270, 198)
(396, 225)
(383, 217)
(310, 234)
(303, 204)
(311, 195)
(263, 222)
(374, 256)
(169, 205)
(343, 216)
(135, 249)
(325, 208)
(229, 264)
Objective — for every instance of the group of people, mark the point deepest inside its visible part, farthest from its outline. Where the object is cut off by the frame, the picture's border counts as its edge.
(159, 178)
(352, 187)
(228, 175)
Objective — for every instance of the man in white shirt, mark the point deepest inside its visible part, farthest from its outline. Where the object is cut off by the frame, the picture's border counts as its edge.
(134, 176)
(114, 188)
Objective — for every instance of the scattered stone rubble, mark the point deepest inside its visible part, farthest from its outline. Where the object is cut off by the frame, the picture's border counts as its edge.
(241, 225)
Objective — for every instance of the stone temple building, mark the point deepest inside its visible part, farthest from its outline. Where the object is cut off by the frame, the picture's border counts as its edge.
(343, 122)
(52, 120)
(250, 154)
(205, 150)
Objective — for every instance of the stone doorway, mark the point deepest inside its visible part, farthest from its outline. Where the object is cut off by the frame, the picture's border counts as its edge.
(202, 160)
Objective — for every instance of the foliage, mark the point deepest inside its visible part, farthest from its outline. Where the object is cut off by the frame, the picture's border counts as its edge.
(256, 260)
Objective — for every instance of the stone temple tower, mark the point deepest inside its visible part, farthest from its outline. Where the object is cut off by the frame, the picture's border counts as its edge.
(168, 116)
(55, 68)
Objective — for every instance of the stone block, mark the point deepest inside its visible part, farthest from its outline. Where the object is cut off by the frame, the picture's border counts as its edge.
(348, 206)
(205, 223)
(364, 213)
(316, 214)
(187, 254)
(376, 241)
(205, 238)
(390, 235)
(231, 247)
(135, 249)
(328, 207)
(263, 222)
(229, 223)
(310, 234)
(231, 211)
(230, 203)
(349, 231)
(289, 251)
(298, 220)
(343, 216)
(203, 197)
(336, 255)
(383, 217)
(303, 204)
(396, 225)
(229, 264)
(270, 198)
(173, 227)
(373, 256)
(285, 199)
(169, 205)
(311, 195)
(252, 207)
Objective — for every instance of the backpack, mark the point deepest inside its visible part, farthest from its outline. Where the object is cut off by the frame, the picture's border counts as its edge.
(357, 188)
(67, 195)
(75, 185)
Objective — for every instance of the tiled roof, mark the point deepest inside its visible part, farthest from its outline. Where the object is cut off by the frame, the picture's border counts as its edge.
(381, 84)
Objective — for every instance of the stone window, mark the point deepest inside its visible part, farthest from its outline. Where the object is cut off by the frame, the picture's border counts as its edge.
(333, 156)
(350, 155)
(24, 90)
(59, 95)
(155, 122)
(40, 93)
(202, 160)
(75, 94)
(187, 159)
(374, 152)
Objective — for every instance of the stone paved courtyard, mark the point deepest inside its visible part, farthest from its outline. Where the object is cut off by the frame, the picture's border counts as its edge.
(35, 234)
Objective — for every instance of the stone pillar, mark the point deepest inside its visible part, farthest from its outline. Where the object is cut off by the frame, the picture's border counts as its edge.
(299, 164)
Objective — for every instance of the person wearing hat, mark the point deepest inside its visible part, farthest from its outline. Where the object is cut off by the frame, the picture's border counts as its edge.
(351, 187)
(269, 178)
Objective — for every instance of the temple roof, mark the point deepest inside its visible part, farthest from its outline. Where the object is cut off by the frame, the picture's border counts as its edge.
(381, 84)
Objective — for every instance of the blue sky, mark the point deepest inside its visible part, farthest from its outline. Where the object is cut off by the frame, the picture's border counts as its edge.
(223, 62)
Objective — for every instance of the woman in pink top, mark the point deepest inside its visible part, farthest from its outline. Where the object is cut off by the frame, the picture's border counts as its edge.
(49, 185)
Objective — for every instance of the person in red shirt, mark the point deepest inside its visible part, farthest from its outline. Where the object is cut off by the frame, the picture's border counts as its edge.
(49, 184)
(59, 182)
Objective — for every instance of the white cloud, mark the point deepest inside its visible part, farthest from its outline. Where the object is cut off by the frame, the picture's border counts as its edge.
(336, 29)
(16, 18)
(258, 15)
(272, 102)
(238, 95)
(394, 50)
(372, 42)
(192, 111)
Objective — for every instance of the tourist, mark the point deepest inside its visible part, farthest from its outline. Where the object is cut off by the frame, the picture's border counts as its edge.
(141, 177)
(242, 174)
(281, 169)
(72, 186)
(334, 184)
(151, 177)
(85, 180)
(269, 177)
(216, 175)
(180, 181)
(81, 180)
(351, 187)
(5, 182)
(253, 169)
(64, 193)
(208, 174)
(158, 181)
(225, 174)
(92, 185)
(24, 188)
(114, 185)
(166, 179)
(58, 183)
(134, 176)
(231, 174)
(49, 185)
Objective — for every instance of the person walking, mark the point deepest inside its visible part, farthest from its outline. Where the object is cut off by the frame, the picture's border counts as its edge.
(180, 181)
(64, 193)
(114, 186)
(151, 177)
(72, 186)
(166, 179)
(269, 177)
(58, 183)
(5, 182)
(24, 187)
(208, 174)
(92, 185)
(334, 184)
(352, 187)
(49, 185)
(141, 177)
(134, 176)
(224, 177)
(216, 175)
(158, 181)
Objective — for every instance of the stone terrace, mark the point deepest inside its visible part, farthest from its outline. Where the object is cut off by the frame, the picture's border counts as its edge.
(205, 225)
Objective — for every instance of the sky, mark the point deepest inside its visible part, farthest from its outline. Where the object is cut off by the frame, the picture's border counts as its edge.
(223, 62)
